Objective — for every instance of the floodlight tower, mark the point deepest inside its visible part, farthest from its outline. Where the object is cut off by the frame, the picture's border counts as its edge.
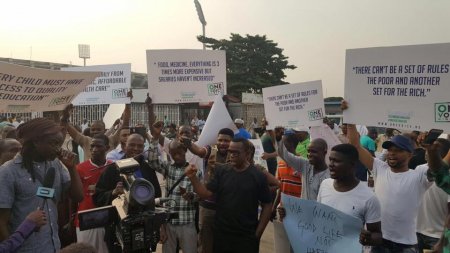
(201, 17)
(84, 51)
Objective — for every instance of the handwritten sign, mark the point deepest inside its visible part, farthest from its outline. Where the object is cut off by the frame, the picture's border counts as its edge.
(24, 89)
(404, 87)
(294, 105)
(313, 227)
(186, 75)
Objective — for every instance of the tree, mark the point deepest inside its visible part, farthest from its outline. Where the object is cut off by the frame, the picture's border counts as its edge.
(253, 62)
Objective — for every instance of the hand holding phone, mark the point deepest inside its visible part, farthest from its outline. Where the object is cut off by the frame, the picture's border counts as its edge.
(432, 136)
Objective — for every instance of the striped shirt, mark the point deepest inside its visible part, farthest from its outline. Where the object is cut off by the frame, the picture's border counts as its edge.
(291, 180)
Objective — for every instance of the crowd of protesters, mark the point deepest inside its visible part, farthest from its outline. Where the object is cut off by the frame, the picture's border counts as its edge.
(396, 184)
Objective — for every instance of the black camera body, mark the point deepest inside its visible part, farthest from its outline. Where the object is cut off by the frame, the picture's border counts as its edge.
(133, 215)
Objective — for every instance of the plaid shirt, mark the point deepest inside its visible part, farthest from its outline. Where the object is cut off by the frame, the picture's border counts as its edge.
(184, 208)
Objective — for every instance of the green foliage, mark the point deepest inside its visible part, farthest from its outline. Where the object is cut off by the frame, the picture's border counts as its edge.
(253, 62)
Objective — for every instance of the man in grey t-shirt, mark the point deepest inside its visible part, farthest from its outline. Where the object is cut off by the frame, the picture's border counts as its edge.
(21, 177)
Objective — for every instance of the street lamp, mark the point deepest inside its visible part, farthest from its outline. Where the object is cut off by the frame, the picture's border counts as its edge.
(84, 51)
(201, 17)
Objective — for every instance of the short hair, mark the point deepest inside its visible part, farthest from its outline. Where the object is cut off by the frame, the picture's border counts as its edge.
(445, 146)
(226, 131)
(176, 145)
(347, 150)
(79, 247)
(246, 143)
(98, 122)
(321, 142)
(102, 137)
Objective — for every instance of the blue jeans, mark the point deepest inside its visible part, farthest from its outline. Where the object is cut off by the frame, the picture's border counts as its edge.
(425, 242)
(393, 247)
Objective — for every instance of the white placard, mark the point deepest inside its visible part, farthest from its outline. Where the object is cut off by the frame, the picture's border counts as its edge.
(113, 113)
(218, 118)
(294, 105)
(111, 87)
(186, 75)
(25, 89)
(257, 158)
(404, 87)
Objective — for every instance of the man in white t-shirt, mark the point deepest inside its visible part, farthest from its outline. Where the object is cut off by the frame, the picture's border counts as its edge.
(434, 209)
(399, 189)
(344, 192)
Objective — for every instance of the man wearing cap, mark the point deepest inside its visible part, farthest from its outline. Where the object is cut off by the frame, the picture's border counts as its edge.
(399, 189)
(243, 133)
(302, 134)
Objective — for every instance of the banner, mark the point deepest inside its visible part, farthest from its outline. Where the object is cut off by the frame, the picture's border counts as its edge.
(186, 75)
(294, 105)
(404, 87)
(258, 152)
(111, 87)
(24, 89)
(315, 227)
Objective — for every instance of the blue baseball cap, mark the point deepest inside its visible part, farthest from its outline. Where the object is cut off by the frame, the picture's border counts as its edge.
(399, 141)
(289, 131)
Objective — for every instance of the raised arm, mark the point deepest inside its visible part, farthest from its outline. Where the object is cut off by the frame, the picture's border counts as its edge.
(155, 129)
(73, 132)
(296, 162)
(199, 188)
(364, 156)
(194, 148)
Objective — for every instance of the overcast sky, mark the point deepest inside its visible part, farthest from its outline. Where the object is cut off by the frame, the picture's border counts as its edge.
(314, 34)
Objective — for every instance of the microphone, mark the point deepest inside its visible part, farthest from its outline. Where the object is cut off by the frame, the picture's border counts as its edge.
(46, 191)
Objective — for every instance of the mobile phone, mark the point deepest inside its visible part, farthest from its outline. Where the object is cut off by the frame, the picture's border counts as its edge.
(138, 130)
(432, 136)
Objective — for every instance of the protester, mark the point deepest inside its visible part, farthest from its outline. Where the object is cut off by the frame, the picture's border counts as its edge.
(33, 222)
(90, 172)
(243, 133)
(313, 170)
(21, 177)
(8, 149)
(109, 185)
(181, 229)
(290, 184)
(434, 209)
(368, 141)
(344, 192)
(303, 141)
(268, 143)
(213, 156)
(119, 151)
(418, 155)
(239, 189)
(343, 136)
(399, 190)
(97, 127)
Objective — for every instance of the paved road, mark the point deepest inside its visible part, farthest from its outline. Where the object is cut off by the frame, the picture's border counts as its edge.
(266, 245)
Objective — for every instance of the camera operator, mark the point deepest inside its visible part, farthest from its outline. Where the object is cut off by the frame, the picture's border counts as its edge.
(110, 184)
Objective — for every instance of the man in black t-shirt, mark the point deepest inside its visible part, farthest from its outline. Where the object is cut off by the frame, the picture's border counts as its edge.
(240, 188)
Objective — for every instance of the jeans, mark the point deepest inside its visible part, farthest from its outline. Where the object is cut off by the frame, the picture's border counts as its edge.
(393, 247)
(425, 242)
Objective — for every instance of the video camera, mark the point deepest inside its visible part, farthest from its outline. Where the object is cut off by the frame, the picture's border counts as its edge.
(134, 215)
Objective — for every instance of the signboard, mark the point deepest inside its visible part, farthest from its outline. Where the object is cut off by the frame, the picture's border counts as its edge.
(294, 105)
(111, 87)
(186, 75)
(313, 227)
(403, 87)
(24, 89)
